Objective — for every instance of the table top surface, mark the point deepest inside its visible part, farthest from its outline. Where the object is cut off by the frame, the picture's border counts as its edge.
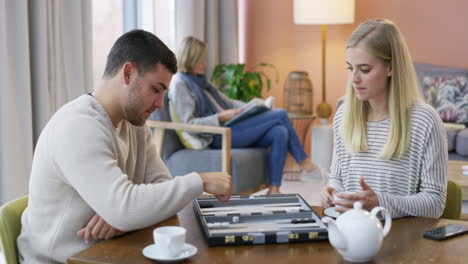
(404, 244)
(455, 171)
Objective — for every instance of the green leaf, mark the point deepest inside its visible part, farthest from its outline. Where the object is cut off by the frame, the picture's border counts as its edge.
(217, 72)
(239, 84)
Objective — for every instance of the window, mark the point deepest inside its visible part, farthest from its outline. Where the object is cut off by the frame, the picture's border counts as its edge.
(107, 27)
(156, 16)
(165, 22)
(112, 18)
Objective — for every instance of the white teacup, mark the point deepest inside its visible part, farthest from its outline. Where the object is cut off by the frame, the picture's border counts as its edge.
(169, 240)
(336, 198)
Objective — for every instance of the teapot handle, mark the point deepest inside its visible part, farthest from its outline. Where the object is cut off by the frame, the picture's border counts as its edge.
(388, 218)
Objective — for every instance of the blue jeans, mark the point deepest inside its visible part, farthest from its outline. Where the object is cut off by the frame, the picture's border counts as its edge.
(268, 129)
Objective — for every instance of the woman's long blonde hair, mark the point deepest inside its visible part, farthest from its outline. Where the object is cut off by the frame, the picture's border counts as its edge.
(190, 53)
(384, 40)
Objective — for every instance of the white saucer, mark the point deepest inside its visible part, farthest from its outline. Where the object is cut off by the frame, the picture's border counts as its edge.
(188, 250)
(330, 211)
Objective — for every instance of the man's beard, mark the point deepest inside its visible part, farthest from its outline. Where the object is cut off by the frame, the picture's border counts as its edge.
(132, 108)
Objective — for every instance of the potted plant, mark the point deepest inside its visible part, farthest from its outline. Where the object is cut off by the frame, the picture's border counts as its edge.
(235, 82)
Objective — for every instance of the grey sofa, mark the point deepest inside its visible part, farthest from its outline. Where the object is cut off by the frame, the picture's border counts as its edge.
(457, 138)
(249, 166)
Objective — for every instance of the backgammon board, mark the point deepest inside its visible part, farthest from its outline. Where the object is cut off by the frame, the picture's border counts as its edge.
(262, 219)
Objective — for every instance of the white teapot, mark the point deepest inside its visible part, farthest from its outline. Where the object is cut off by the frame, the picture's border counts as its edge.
(357, 234)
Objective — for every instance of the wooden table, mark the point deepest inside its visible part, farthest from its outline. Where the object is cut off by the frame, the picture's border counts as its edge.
(404, 244)
(455, 174)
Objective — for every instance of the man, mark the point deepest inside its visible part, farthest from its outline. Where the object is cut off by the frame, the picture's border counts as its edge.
(95, 169)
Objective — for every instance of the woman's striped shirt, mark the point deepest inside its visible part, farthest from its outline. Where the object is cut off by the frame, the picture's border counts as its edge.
(412, 185)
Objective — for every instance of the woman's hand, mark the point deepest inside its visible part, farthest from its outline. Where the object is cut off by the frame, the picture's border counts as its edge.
(326, 197)
(98, 229)
(227, 115)
(367, 197)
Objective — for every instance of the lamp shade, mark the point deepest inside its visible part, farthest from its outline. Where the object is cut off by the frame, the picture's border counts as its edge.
(323, 12)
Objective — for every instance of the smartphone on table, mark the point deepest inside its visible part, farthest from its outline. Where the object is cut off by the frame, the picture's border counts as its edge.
(445, 232)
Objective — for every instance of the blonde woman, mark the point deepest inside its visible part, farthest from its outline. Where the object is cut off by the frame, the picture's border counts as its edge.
(196, 101)
(389, 146)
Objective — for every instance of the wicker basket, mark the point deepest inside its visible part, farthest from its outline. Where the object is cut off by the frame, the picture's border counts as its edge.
(298, 93)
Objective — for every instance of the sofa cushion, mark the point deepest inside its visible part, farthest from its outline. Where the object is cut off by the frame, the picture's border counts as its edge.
(451, 137)
(462, 142)
(249, 165)
(449, 96)
(187, 139)
(171, 142)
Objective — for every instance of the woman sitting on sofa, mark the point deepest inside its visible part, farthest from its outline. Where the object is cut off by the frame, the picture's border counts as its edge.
(389, 146)
(195, 101)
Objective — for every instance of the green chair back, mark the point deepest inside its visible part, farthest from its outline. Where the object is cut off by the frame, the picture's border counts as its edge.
(10, 227)
(453, 203)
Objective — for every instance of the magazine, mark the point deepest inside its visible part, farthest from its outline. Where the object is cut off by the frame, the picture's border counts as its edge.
(254, 107)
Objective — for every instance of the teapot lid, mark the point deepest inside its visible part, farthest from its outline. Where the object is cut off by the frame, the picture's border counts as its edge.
(355, 213)
(357, 205)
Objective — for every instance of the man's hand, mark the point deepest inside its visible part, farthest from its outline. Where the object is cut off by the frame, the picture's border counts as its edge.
(367, 197)
(227, 115)
(326, 197)
(98, 229)
(217, 183)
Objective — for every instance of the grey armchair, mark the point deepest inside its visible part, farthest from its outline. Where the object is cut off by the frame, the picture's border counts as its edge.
(248, 167)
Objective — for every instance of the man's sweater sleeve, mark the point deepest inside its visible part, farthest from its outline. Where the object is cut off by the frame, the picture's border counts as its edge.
(156, 170)
(81, 149)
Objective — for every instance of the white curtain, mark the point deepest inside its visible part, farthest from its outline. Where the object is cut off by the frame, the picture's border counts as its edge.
(212, 21)
(45, 61)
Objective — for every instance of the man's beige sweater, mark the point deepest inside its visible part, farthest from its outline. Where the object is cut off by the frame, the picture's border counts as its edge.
(84, 165)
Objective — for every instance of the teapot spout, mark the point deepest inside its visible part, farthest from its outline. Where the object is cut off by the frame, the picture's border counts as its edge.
(336, 237)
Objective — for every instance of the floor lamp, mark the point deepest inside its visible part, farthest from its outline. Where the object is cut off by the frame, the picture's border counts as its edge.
(323, 12)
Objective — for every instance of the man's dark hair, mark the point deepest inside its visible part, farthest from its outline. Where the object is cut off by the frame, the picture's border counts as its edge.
(141, 48)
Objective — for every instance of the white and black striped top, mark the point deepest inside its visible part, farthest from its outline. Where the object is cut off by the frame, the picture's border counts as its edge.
(413, 185)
